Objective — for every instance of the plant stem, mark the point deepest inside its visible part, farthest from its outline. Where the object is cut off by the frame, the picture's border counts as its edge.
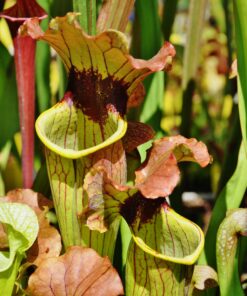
(25, 69)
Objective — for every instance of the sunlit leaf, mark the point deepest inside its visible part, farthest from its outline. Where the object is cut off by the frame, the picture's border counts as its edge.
(204, 277)
(160, 174)
(80, 271)
(28, 197)
(86, 14)
(22, 229)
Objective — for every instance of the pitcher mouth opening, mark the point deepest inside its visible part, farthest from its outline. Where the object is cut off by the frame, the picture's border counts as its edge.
(65, 130)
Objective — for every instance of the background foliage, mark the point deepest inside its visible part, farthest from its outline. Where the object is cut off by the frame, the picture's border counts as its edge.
(196, 99)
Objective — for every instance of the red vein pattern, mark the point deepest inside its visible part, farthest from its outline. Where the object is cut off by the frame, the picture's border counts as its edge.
(149, 276)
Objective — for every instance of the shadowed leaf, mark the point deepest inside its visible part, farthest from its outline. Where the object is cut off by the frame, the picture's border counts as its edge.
(80, 271)
(137, 133)
(136, 97)
(48, 243)
(4, 243)
(160, 174)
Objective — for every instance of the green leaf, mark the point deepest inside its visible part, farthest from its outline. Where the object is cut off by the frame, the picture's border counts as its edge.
(146, 41)
(8, 277)
(240, 11)
(87, 17)
(8, 98)
(42, 59)
(22, 228)
(4, 156)
(169, 13)
(125, 241)
(233, 225)
(151, 110)
(229, 198)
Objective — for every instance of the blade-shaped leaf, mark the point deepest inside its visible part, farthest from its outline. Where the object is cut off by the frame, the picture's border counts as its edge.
(160, 174)
(240, 10)
(22, 229)
(8, 277)
(233, 225)
(80, 271)
(4, 156)
(87, 14)
(230, 198)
